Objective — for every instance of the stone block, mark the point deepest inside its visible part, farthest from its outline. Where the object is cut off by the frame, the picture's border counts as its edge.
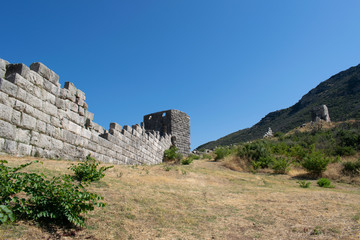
(115, 126)
(52, 131)
(20, 81)
(71, 87)
(72, 106)
(5, 112)
(16, 118)
(73, 128)
(47, 96)
(66, 94)
(89, 115)
(81, 111)
(7, 130)
(98, 128)
(4, 99)
(34, 101)
(57, 144)
(19, 68)
(35, 78)
(49, 109)
(19, 106)
(86, 107)
(40, 126)
(68, 136)
(86, 133)
(43, 141)
(80, 94)
(10, 147)
(50, 87)
(45, 72)
(22, 135)
(61, 103)
(55, 122)
(28, 121)
(75, 117)
(21, 95)
(24, 149)
(42, 116)
(3, 64)
(8, 87)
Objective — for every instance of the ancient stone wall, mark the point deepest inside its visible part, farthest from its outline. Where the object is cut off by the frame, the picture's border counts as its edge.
(39, 118)
(173, 122)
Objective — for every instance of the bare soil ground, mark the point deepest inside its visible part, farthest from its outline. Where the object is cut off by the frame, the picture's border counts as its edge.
(202, 201)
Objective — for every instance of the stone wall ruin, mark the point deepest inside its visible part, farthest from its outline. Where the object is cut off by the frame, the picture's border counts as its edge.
(39, 118)
(173, 122)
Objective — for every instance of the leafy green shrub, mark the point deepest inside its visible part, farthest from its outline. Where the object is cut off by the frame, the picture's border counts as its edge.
(222, 152)
(172, 154)
(281, 165)
(6, 214)
(316, 162)
(304, 184)
(32, 196)
(186, 161)
(259, 153)
(324, 182)
(87, 171)
(344, 150)
(352, 168)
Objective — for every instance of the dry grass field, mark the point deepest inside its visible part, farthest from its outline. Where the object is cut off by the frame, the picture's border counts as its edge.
(203, 200)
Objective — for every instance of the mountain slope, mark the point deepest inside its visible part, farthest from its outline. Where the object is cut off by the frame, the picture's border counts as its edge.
(341, 94)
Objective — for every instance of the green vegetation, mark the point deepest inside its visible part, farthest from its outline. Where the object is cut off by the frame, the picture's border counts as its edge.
(222, 152)
(304, 184)
(340, 93)
(325, 183)
(352, 168)
(316, 163)
(172, 154)
(312, 150)
(88, 171)
(281, 165)
(32, 196)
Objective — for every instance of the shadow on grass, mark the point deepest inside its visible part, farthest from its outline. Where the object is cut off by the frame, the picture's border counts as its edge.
(306, 176)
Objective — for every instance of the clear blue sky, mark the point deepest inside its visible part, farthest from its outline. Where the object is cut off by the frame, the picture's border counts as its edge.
(226, 63)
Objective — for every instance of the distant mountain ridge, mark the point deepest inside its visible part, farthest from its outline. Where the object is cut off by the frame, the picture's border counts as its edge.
(341, 94)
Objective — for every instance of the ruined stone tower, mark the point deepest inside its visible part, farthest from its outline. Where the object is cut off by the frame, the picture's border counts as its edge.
(174, 123)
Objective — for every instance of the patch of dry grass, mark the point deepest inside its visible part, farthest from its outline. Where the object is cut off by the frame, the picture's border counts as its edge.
(203, 200)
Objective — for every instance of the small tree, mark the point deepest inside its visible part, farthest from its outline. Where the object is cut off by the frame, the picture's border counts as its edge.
(316, 163)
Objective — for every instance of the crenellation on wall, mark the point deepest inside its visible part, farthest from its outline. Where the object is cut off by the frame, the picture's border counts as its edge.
(40, 118)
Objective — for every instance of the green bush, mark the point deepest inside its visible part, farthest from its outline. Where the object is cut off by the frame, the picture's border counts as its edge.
(304, 184)
(186, 161)
(6, 214)
(281, 165)
(222, 152)
(316, 162)
(88, 171)
(352, 168)
(324, 182)
(172, 154)
(258, 152)
(32, 196)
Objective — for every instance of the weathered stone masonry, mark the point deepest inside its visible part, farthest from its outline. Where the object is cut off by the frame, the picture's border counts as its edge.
(38, 117)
